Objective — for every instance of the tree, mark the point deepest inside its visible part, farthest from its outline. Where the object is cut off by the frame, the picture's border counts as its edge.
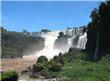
(42, 59)
(59, 59)
(45, 30)
(94, 14)
(98, 43)
(2, 29)
(61, 34)
(14, 44)
(38, 67)
(24, 31)
(56, 67)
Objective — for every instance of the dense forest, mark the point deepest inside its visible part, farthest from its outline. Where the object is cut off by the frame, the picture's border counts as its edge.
(15, 44)
(98, 34)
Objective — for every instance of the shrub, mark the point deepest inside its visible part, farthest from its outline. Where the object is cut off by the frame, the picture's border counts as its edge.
(58, 59)
(42, 59)
(61, 34)
(9, 76)
(45, 73)
(55, 67)
(38, 67)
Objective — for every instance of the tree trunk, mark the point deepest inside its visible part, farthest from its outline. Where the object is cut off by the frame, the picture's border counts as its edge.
(97, 41)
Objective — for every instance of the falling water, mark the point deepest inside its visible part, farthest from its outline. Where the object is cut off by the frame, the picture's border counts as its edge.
(48, 50)
(78, 39)
(82, 41)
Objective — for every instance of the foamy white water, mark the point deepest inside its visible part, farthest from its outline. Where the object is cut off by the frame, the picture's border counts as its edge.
(50, 38)
(82, 41)
(48, 50)
(30, 57)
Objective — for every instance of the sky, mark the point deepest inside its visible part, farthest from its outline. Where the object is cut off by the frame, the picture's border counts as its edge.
(54, 15)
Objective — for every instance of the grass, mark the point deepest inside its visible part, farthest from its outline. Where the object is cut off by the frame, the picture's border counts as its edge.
(87, 71)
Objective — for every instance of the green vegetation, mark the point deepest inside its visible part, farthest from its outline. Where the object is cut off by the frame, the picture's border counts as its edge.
(76, 67)
(98, 34)
(61, 34)
(14, 44)
(45, 30)
(52, 68)
(87, 71)
(9, 76)
(73, 66)
(55, 67)
(38, 67)
(48, 69)
(92, 64)
(42, 59)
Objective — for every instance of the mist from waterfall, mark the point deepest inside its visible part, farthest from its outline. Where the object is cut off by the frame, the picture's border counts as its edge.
(77, 39)
(48, 50)
(82, 41)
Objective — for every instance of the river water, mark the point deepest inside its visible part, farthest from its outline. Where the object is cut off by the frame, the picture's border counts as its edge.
(26, 78)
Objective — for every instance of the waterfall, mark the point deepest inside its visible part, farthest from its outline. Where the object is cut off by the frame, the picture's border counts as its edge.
(48, 50)
(78, 39)
(69, 42)
(82, 41)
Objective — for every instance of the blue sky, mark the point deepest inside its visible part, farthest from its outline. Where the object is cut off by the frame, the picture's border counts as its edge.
(54, 15)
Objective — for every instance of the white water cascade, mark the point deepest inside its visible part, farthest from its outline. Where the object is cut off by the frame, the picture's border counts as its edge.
(48, 50)
(78, 38)
(82, 41)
